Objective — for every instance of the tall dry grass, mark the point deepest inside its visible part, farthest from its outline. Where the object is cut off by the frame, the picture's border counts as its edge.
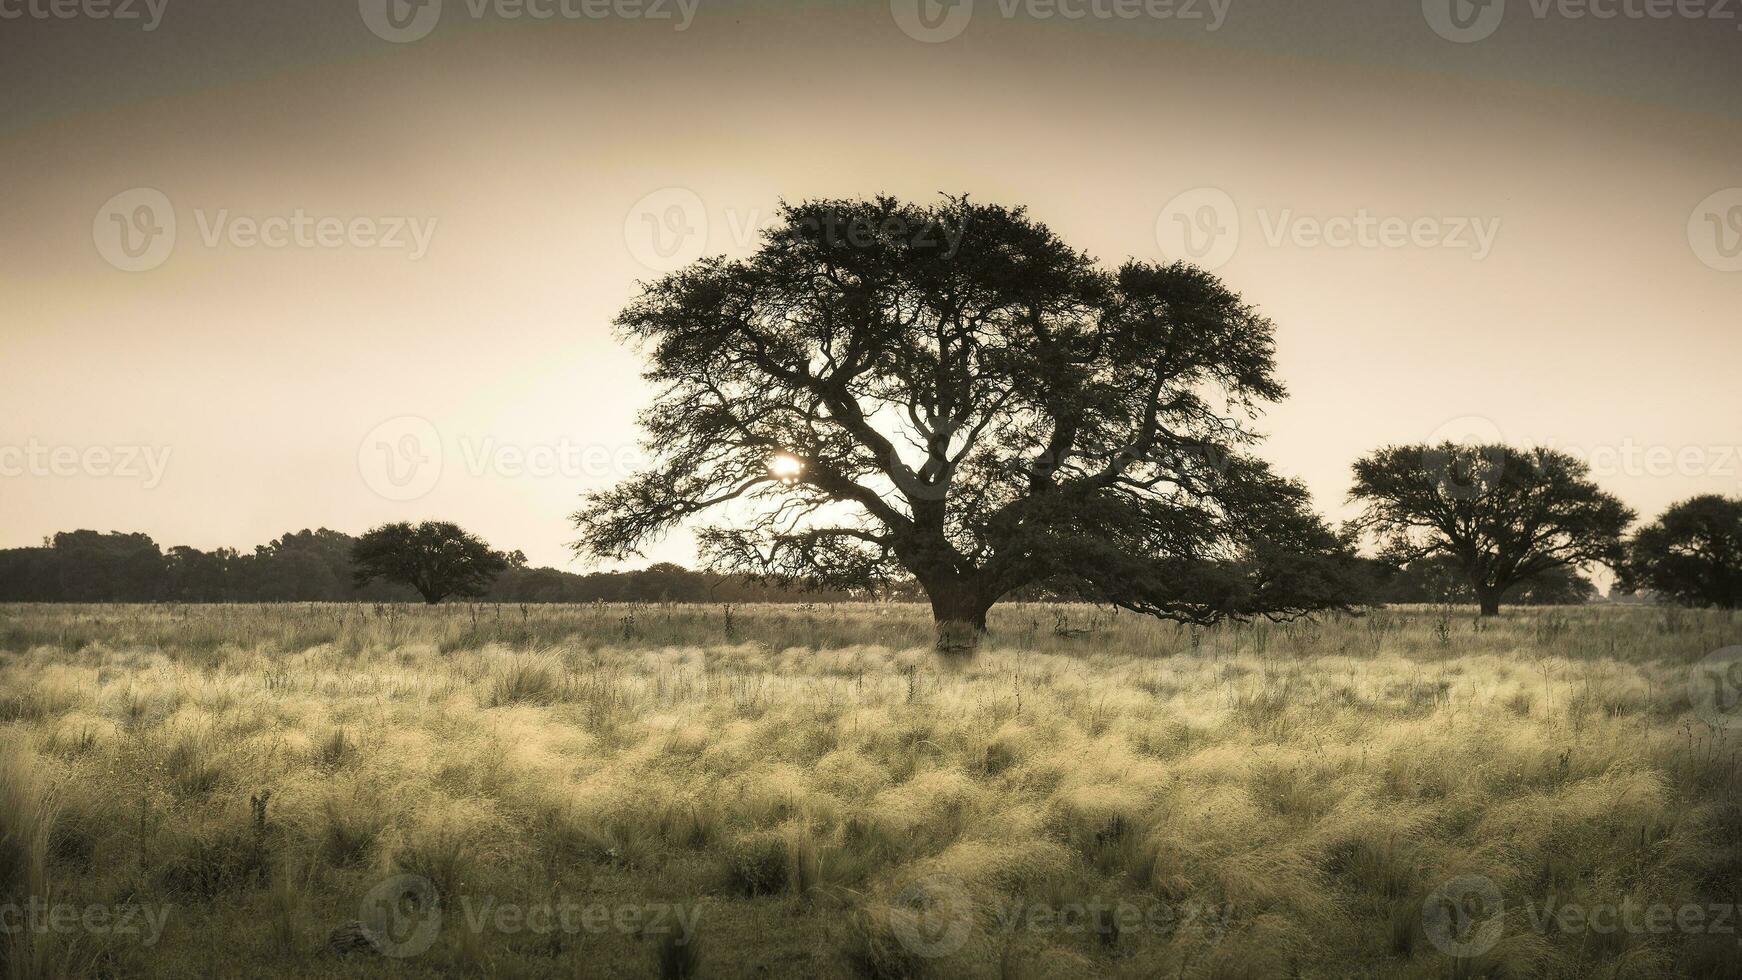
(835, 800)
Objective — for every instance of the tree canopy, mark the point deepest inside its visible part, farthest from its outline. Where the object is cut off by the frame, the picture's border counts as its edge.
(954, 393)
(1691, 555)
(1503, 516)
(436, 558)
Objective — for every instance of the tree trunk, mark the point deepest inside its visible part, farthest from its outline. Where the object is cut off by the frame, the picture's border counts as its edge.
(959, 612)
(1489, 599)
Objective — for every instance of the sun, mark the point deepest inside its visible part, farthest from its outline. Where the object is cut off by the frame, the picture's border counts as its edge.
(785, 467)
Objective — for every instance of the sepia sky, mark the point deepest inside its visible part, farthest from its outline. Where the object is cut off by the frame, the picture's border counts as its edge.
(397, 244)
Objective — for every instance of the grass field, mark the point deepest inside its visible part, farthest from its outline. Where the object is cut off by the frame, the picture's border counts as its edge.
(797, 791)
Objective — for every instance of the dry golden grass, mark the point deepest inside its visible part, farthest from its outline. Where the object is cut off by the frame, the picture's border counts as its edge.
(818, 794)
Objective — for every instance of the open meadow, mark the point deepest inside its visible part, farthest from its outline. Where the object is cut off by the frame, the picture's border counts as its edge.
(781, 790)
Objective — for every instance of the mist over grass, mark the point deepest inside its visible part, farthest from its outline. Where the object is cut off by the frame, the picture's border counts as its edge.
(811, 791)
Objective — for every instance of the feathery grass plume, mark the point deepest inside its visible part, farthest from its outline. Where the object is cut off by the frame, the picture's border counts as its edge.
(526, 679)
(28, 814)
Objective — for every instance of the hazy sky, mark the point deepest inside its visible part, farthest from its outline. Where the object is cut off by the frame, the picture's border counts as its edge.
(394, 260)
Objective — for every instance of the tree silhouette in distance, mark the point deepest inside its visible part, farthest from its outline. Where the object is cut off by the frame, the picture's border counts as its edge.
(952, 393)
(1503, 516)
(436, 558)
(1691, 555)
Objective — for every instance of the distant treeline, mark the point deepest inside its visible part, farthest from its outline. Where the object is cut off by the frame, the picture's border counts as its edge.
(315, 566)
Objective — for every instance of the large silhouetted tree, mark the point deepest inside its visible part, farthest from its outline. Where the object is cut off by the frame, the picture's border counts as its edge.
(436, 558)
(952, 393)
(1502, 516)
(1691, 555)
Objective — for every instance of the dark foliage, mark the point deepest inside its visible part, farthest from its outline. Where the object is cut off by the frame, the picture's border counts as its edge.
(1691, 555)
(315, 566)
(87, 566)
(437, 558)
(953, 394)
(1501, 516)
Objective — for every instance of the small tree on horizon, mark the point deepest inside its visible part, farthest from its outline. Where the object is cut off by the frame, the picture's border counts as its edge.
(1502, 516)
(1691, 555)
(953, 393)
(436, 558)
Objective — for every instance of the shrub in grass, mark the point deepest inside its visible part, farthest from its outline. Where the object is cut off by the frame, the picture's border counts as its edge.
(441, 857)
(868, 947)
(997, 756)
(208, 863)
(1380, 866)
(20, 706)
(525, 680)
(757, 863)
(334, 750)
(1102, 823)
(687, 824)
(894, 940)
(350, 832)
(193, 773)
(83, 820)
